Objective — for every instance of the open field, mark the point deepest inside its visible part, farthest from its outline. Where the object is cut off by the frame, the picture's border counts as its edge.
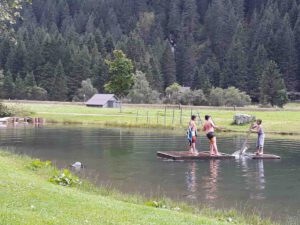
(27, 197)
(284, 121)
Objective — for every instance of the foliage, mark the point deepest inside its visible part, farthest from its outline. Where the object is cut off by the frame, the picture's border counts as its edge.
(156, 204)
(141, 92)
(121, 76)
(198, 44)
(216, 97)
(10, 11)
(273, 89)
(38, 164)
(173, 94)
(228, 97)
(85, 92)
(64, 178)
(5, 111)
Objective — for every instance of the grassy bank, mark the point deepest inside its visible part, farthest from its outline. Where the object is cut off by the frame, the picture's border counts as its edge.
(284, 121)
(27, 197)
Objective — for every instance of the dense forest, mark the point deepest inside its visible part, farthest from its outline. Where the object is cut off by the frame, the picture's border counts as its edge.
(61, 45)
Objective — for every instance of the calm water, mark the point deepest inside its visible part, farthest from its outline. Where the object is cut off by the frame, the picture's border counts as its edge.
(126, 159)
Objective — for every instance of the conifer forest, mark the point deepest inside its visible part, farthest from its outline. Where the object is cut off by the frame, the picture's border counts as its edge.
(58, 49)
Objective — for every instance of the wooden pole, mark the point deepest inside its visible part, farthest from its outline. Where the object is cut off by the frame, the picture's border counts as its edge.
(137, 116)
(165, 115)
(157, 114)
(180, 116)
(173, 118)
(147, 117)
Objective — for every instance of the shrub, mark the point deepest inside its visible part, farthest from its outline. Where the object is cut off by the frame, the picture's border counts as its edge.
(199, 98)
(235, 97)
(38, 164)
(229, 97)
(216, 97)
(6, 111)
(64, 178)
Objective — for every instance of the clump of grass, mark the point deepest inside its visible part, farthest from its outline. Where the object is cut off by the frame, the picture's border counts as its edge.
(38, 164)
(64, 178)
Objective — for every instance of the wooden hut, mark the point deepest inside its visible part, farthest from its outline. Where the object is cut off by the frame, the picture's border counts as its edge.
(103, 101)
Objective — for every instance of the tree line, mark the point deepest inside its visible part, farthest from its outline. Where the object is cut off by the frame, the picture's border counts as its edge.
(253, 46)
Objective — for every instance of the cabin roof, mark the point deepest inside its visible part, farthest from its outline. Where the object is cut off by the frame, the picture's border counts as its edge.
(100, 99)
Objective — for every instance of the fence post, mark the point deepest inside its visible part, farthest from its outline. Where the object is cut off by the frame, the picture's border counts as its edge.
(137, 116)
(173, 118)
(200, 120)
(181, 116)
(147, 117)
(165, 115)
(191, 111)
(157, 117)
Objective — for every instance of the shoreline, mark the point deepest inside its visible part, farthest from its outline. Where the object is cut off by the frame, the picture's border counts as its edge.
(281, 122)
(135, 209)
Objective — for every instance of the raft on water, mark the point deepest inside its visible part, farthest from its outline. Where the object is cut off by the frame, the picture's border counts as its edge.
(185, 155)
(263, 156)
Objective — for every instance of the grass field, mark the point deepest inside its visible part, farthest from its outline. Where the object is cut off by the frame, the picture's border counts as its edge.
(285, 121)
(27, 197)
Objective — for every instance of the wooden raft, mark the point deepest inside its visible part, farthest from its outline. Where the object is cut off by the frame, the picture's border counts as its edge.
(263, 156)
(175, 155)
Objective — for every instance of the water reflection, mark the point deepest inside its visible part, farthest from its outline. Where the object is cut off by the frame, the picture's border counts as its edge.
(191, 178)
(209, 182)
(255, 178)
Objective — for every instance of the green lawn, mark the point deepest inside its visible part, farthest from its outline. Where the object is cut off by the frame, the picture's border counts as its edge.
(285, 121)
(27, 197)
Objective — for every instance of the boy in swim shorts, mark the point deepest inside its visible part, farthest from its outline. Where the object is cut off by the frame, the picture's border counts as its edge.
(257, 128)
(209, 129)
(192, 133)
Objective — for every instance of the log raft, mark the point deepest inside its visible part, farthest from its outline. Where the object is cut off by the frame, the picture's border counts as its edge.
(185, 155)
(263, 156)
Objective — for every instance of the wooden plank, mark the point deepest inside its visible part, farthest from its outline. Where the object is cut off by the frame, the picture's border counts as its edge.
(264, 156)
(185, 155)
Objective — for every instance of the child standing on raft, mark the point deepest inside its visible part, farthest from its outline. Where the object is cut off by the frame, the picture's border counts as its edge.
(192, 133)
(257, 128)
(209, 129)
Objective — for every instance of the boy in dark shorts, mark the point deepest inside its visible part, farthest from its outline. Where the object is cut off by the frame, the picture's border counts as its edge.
(209, 129)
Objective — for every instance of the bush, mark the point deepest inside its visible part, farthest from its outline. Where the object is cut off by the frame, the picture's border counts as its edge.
(228, 97)
(38, 164)
(64, 178)
(234, 97)
(199, 98)
(6, 111)
(216, 97)
(141, 91)
(195, 97)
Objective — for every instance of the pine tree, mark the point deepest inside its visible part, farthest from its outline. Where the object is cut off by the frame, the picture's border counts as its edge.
(235, 67)
(59, 90)
(20, 89)
(30, 80)
(272, 87)
(8, 89)
(168, 68)
(257, 66)
(185, 61)
(201, 80)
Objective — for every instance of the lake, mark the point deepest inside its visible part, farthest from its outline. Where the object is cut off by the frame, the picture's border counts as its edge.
(125, 159)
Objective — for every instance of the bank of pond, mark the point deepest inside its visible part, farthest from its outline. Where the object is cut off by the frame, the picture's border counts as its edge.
(30, 194)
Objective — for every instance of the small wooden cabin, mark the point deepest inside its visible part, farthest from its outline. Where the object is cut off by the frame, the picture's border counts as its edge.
(103, 101)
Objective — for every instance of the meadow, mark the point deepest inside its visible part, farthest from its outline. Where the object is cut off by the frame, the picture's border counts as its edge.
(277, 121)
